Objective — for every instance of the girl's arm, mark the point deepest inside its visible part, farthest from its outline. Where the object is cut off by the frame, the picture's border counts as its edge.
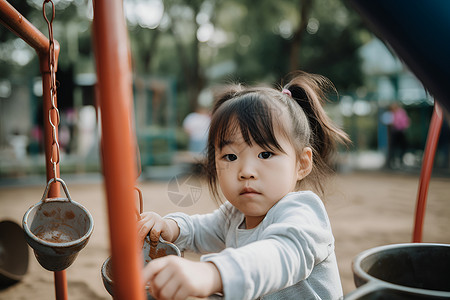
(172, 277)
(202, 233)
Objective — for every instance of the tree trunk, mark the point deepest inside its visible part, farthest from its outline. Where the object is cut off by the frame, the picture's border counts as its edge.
(148, 56)
(305, 7)
(196, 81)
(191, 68)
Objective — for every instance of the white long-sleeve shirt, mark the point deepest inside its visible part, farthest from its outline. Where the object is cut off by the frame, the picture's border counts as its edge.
(291, 250)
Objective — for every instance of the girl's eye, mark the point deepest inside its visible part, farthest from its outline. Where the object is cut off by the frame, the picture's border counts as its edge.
(265, 155)
(230, 157)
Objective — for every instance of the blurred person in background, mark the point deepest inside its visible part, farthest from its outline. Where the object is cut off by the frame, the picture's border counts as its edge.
(196, 125)
(398, 124)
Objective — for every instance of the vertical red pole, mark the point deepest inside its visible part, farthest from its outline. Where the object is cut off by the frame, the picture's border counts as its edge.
(60, 285)
(114, 80)
(425, 173)
(54, 191)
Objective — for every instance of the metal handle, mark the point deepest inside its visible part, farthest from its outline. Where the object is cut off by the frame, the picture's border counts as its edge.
(66, 191)
(141, 200)
(141, 203)
(169, 244)
(365, 290)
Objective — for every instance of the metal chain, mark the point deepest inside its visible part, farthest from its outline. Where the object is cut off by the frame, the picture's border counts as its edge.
(53, 112)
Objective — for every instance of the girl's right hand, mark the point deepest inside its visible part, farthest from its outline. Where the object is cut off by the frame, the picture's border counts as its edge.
(154, 224)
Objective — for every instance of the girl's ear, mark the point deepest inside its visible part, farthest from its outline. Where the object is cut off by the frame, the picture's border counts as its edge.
(305, 163)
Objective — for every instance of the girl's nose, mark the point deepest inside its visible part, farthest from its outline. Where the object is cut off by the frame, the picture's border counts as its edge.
(247, 171)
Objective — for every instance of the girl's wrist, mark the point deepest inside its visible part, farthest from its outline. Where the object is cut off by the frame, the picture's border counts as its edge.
(173, 229)
(216, 279)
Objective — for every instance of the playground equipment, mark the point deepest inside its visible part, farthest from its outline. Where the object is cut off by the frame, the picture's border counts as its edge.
(57, 229)
(115, 101)
(411, 271)
(155, 118)
(405, 27)
(149, 252)
(403, 271)
(13, 253)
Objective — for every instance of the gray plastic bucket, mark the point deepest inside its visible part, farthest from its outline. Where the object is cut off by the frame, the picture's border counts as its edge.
(408, 271)
(57, 229)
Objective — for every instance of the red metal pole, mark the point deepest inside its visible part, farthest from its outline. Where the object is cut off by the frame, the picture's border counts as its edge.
(60, 285)
(425, 173)
(54, 191)
(114, 80)
(15, 22)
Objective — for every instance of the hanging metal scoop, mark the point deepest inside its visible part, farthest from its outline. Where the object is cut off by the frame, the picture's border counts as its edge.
(57, 229)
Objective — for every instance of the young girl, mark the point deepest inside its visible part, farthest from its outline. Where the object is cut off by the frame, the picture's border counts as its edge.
(272, 237)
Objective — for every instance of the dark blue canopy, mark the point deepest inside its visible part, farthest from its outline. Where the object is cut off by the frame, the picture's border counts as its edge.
(418, 32)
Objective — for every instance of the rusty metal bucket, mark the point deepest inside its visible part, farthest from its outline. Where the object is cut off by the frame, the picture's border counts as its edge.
(13, 253)
(150, 251)
(57, 229)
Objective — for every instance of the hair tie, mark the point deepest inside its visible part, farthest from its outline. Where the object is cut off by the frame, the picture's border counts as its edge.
(287, 92)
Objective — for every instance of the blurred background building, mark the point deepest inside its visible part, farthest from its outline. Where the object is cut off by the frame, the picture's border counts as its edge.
(180, 48)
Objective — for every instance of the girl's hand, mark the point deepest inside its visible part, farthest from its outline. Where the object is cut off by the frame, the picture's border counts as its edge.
(154, 224)
(173, 277)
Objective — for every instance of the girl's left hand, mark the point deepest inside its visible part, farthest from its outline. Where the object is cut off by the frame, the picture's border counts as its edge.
(173, 277)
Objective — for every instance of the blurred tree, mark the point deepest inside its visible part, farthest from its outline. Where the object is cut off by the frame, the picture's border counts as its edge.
(319, 36)
(304, 7)
(200, 42)
(14, 53)
(330, 48)
(178, 31)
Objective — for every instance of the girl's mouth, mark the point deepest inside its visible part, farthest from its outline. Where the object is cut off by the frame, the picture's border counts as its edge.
(248, 190)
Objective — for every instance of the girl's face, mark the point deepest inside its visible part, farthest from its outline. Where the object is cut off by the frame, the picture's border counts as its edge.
(253, 179)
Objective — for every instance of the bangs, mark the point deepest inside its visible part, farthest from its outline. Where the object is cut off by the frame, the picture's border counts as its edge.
(253, 116)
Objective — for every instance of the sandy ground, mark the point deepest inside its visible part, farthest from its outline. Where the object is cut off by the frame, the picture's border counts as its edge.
(366, 210)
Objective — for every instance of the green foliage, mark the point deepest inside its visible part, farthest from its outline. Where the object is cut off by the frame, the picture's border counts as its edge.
(252, 42)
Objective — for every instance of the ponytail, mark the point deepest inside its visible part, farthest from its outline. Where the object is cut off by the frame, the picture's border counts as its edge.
(309, 91)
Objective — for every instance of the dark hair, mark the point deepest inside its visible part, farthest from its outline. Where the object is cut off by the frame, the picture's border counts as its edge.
(258, 111)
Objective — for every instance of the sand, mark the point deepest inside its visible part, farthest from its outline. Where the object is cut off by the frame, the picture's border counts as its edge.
(366, 209)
